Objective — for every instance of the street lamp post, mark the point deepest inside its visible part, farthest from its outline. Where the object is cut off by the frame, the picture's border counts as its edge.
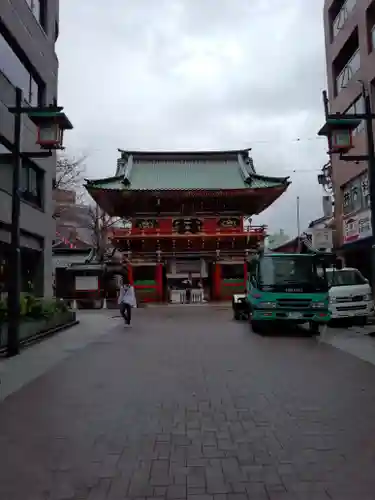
(51, 123)
(339, 130)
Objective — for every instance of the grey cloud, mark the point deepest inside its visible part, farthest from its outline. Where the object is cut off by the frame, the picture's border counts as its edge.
(198, 74)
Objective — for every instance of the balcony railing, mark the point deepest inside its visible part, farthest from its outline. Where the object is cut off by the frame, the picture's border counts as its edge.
(252, 231)
(348, 72)
(342, 17)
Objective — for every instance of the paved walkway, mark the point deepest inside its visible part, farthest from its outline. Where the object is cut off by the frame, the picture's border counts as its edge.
(41, 357)
(189, 404)
(355, 341)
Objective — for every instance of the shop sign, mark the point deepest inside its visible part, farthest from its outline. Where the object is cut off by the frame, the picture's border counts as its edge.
(321, 238)
(357, 227)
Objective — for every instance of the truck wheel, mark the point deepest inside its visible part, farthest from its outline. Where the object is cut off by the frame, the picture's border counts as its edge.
(257, 326)
(314, 328)
(362, 321)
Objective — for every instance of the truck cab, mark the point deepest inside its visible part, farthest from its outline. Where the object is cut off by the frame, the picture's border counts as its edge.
(288, 288)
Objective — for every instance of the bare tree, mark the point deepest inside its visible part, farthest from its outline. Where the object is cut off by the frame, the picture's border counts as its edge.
(69, 173)
(99, 224)
(68, 181)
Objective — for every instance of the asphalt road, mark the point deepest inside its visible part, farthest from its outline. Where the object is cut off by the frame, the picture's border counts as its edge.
(190, 404)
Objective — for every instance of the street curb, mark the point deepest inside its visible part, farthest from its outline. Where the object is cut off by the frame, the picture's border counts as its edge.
(35, 339)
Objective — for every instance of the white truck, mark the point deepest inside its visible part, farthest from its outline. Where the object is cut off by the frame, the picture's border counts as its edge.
(350, 296)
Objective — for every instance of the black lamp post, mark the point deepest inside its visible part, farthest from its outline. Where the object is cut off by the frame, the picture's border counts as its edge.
(339, 131)
(51, 123)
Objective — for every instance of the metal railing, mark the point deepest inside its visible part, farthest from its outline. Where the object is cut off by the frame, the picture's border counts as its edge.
(180, 297)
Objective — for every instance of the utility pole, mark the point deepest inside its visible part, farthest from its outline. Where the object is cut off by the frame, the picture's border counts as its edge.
(14, 292)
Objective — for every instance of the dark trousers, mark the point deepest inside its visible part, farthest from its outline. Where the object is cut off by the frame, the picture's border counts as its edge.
(126, 312)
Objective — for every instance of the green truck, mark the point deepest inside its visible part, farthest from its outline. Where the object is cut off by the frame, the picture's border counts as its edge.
(289, 288)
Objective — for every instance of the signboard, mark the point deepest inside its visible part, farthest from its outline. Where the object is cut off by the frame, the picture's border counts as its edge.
(229, 223)
(86, 283)
(143, 224)
(321, 238)
(187, 226)
(357, 227)
(188, 266)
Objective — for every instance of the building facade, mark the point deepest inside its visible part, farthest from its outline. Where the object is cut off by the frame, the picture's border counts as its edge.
(350, 55)
(28, 32)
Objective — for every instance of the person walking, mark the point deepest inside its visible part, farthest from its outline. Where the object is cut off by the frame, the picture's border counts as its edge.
(127, 301)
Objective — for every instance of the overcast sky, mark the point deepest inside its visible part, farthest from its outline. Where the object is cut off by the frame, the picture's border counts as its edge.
(199, 74)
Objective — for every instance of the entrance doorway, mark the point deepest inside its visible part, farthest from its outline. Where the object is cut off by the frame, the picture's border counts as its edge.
(185, 283)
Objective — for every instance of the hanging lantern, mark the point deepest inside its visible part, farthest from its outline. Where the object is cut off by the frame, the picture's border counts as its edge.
(51, 124)
(339, 132)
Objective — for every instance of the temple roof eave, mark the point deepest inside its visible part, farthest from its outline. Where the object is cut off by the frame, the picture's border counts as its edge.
(119, 185)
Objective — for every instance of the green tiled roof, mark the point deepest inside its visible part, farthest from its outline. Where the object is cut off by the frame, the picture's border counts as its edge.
(187, 174)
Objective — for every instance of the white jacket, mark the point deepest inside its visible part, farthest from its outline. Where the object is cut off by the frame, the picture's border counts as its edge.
(127, 296)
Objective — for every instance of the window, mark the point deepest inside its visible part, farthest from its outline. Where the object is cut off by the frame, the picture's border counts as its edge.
(288, 270)
(358, 107)
(342, 16)
(356, 195)
(372, 39)
(15, 71)
(345, 277)
(32, 182)
(349, 70)
(38, 8)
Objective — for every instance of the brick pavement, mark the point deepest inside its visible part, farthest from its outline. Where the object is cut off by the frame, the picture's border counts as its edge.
(35, 361)
(355, 340)
(188, 404)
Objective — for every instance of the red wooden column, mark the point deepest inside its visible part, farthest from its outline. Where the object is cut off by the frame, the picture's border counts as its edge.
(217, 281)
(130, 274)
(159, 281)
(245, 274)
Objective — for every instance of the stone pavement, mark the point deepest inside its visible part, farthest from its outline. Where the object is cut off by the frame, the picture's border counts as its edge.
(355, 341)
(190, 404)
(39, 358)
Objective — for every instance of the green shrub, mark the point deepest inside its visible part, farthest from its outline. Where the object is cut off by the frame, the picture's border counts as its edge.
(34, 308)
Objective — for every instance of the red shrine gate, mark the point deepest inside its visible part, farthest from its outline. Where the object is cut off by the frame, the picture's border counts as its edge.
(187, 213)
(212, 250)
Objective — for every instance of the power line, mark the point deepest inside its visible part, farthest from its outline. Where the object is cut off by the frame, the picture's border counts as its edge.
(289, 141)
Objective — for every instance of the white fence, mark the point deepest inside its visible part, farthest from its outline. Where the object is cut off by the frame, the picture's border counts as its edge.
(179, 296)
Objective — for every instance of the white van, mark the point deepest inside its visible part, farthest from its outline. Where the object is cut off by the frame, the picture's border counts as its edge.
(350, 295)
